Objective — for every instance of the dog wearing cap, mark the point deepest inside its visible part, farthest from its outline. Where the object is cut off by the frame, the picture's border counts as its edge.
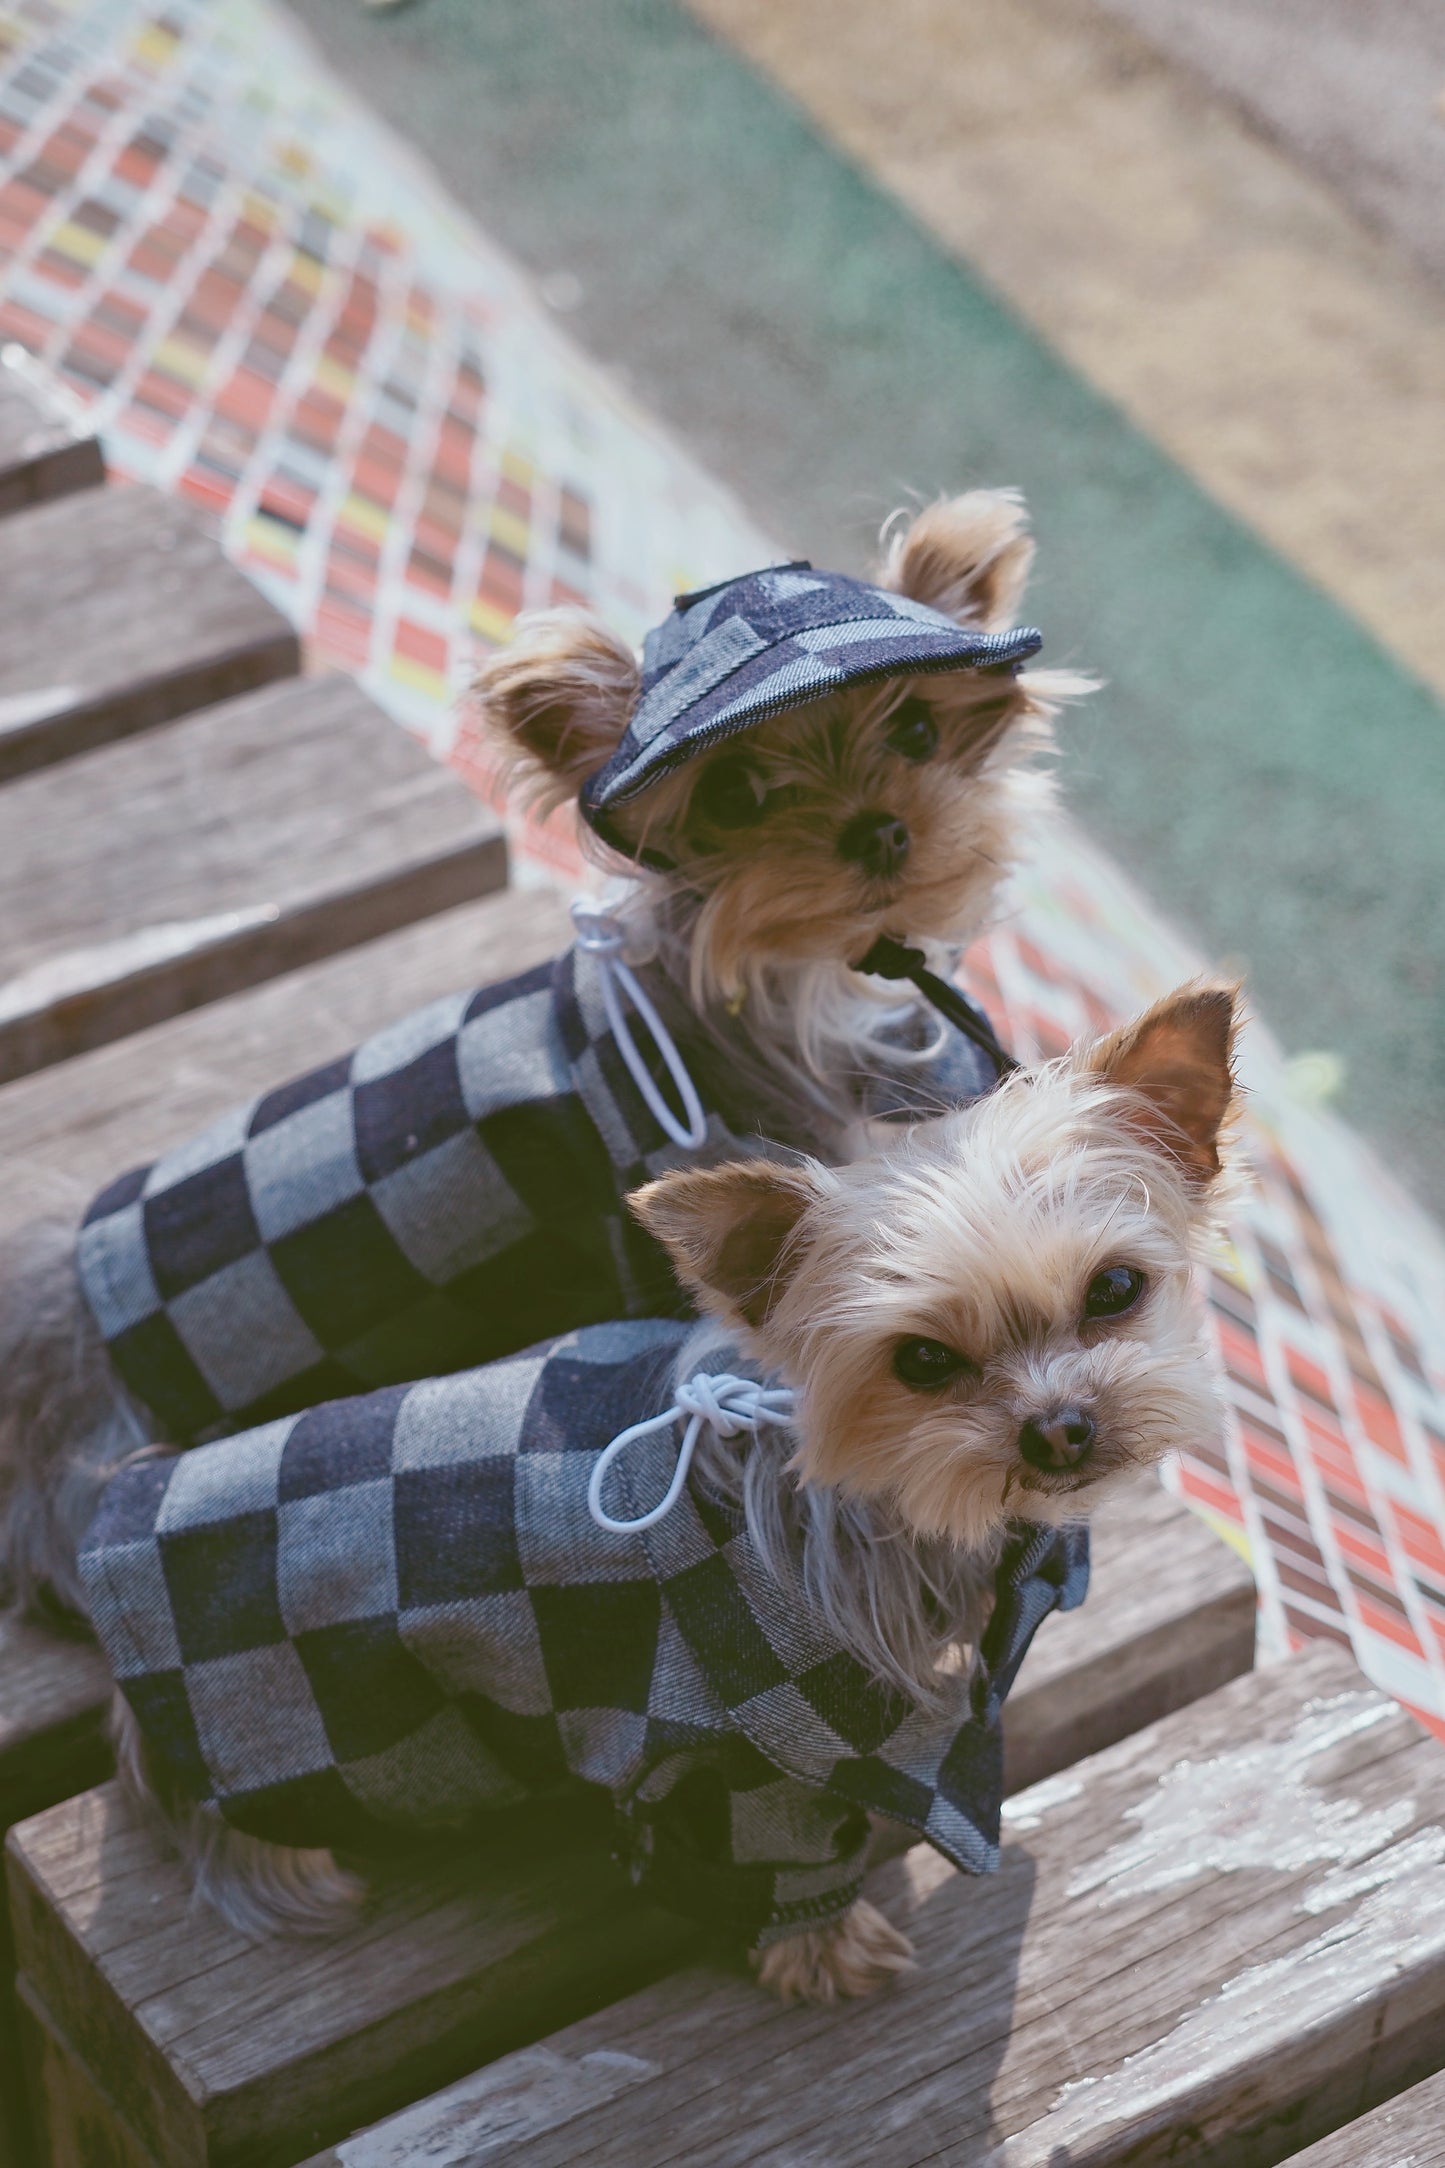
(800, 766)
(805, 773)
(753, 1578)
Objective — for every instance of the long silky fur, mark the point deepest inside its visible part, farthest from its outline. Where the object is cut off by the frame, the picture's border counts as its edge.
(811, 1043)
(66, 1421)
(909, 1608)
(257, 1887)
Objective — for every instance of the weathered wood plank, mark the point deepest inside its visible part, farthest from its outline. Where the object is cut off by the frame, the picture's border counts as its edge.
(145, 878)
(221, 2051)
(117, 612)
(71, 2120)
(323, 2029)
(65, 1130)
(53, 1693)
(1210, 1943)
(47, 449)
(1170, 1616)
(69, 1129)
(1407, 2132)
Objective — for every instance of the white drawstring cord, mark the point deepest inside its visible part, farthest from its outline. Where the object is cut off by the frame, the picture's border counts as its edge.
(729, 1404)
(602, 937)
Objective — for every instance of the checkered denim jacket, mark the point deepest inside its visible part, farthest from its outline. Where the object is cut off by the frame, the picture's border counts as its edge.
(451, 1191)
(395, 1612)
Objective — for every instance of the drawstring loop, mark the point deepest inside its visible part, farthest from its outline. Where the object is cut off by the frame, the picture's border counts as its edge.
(890, 959)
(601, 936)
(728, 1404)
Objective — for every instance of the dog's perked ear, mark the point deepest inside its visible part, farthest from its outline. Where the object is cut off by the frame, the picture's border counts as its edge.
(556, 700)
(732, 1231)
(1177, 1062)
(968, 557)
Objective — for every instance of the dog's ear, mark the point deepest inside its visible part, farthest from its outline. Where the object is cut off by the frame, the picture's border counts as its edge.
(556, 700)
(732, 1231)
(967, 556)
(1177, 1063)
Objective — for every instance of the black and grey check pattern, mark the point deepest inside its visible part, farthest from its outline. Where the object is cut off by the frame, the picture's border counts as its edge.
(395, 1613)
(449, 1192)
(768, 641)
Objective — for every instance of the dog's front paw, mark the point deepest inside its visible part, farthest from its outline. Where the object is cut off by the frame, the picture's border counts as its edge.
(857, 1954)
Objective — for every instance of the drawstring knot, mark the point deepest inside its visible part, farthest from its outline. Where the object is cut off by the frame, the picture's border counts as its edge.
(890, 959)
(601, 937)
(726, 1404)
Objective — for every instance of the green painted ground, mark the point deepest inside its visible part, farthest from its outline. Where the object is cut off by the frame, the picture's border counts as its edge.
(1274, 780)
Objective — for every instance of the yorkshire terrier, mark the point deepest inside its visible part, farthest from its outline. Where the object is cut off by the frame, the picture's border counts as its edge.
(967, 1338)
(765, 865)
(802, 770)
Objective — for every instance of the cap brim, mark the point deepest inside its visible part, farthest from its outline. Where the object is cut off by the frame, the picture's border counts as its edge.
(789, 673)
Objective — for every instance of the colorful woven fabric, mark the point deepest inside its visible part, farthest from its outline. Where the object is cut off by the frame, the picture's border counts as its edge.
(274, 310)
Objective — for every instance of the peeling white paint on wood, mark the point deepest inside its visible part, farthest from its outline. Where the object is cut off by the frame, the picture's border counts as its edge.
(1027, 1811)
(1251, 1807)
(531, 2091)
(1262, 2010)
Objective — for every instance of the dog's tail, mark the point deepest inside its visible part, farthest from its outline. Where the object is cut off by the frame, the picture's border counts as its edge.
(66, 1421)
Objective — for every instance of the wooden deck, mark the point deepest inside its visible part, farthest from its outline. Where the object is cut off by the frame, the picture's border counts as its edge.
(45, 448)
(1168, 1967)
(1219, 1931)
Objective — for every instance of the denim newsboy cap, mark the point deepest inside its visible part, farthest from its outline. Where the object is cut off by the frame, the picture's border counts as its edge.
(751, 647)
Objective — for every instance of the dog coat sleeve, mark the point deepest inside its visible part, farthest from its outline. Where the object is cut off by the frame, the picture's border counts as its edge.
(740, 1847)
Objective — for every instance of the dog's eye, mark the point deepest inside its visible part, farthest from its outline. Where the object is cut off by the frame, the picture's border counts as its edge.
(927, 1364)
(730, 794)
(912, 731)
(1113, 1291)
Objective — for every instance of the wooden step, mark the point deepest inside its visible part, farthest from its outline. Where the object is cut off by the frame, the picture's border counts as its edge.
(1209, 1944)
(219, 2051)
(53, 1694)
(47, 448)
(64, 1132)
(1408, 2132)
(118, 610)
(147, 877)
(74, 2119)
(1170, 1616)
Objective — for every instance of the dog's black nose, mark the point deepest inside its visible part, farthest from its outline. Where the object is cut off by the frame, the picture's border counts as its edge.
(878, 842)
(1062, 1440)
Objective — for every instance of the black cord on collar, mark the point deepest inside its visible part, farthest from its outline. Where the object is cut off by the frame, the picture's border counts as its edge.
(890, 959)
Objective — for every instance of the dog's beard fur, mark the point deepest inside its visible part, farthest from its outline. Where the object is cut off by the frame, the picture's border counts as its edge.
(986, 1239)
(780, 894)
(908, 1604)
(983, 1232)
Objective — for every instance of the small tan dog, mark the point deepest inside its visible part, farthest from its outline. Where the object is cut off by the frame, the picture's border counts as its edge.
(994, 1322)
(769, 858)
(970, 1336)
(768, 865)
